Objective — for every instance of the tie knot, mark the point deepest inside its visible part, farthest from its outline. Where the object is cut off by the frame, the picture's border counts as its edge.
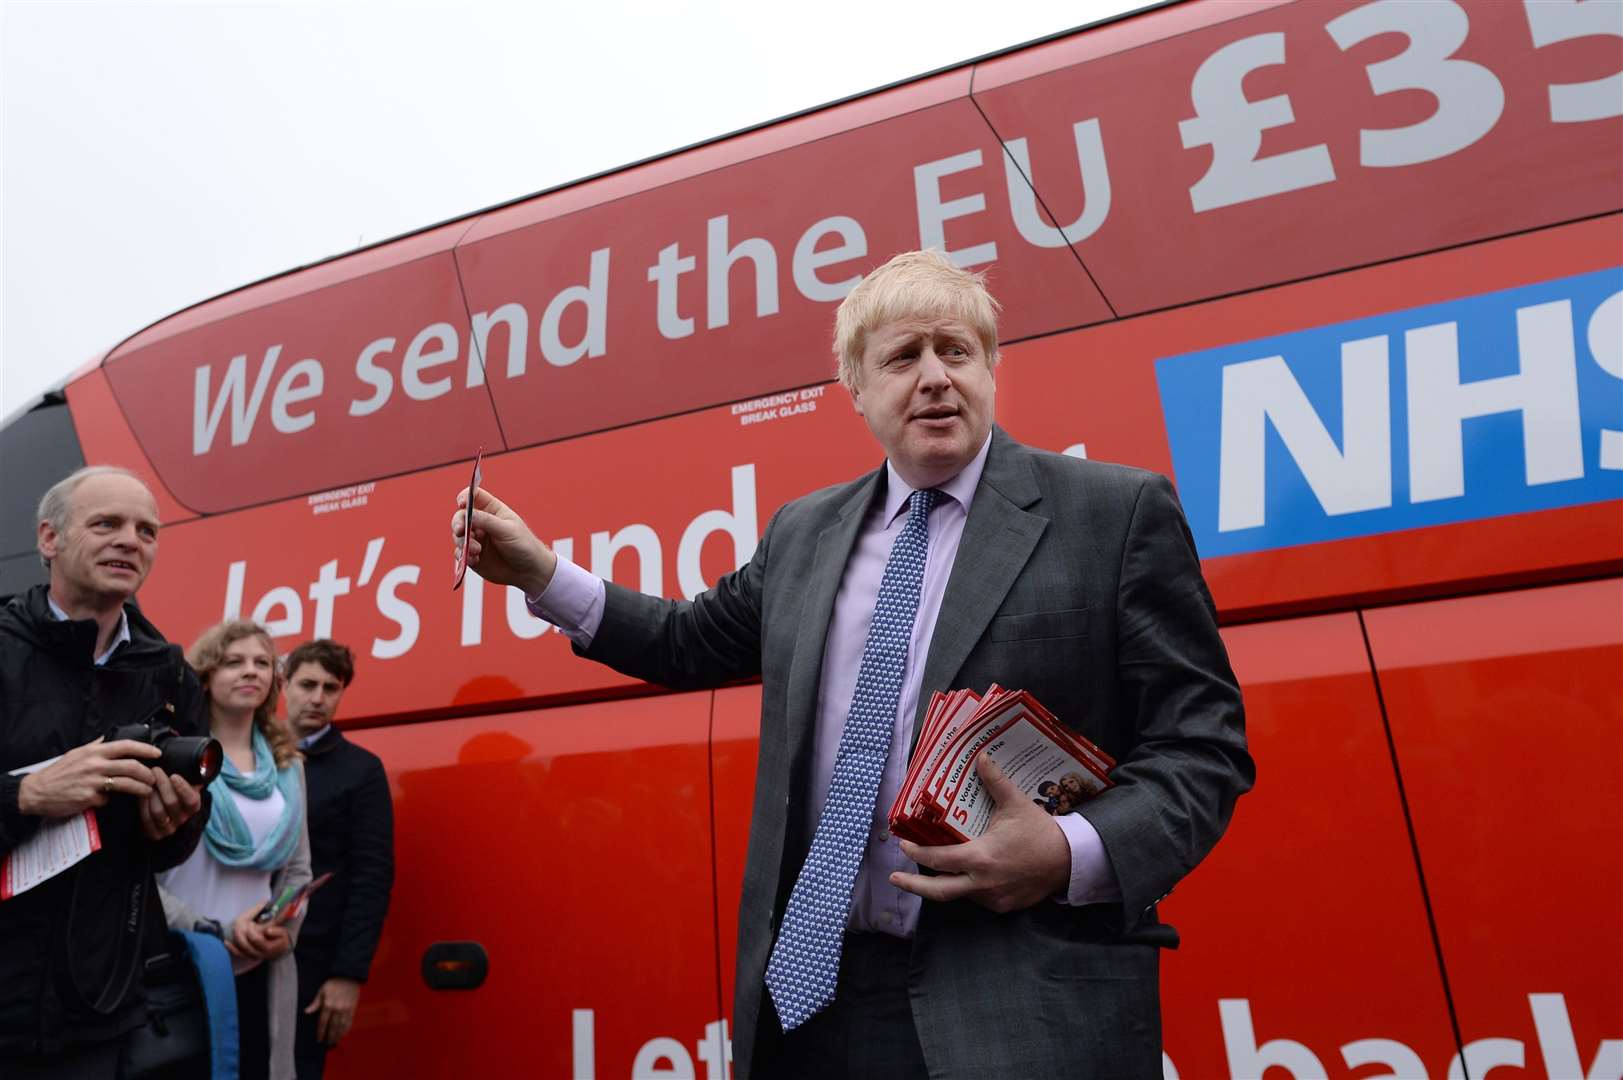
(924, 501)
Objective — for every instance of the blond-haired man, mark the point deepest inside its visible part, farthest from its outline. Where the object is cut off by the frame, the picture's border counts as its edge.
(966, 558)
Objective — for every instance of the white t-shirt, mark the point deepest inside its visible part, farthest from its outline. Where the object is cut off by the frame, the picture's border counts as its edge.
(221, 892)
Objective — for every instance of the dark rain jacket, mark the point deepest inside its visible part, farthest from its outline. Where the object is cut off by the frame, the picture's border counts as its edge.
(72, 948)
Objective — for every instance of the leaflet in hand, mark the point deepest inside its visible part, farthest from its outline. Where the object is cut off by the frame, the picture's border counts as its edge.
(943, 801)
(56, 845)
(460, 570)
(290, 902)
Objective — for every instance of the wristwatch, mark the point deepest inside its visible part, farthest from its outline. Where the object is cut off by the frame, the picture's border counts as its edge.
(211, 927)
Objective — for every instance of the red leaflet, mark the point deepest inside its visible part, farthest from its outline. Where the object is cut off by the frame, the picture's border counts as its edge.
(943, 801)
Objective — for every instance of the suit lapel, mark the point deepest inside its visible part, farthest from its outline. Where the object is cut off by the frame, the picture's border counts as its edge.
(998, 540)
(822, 583)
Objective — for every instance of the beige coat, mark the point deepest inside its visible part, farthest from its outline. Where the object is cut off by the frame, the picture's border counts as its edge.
(283, 990)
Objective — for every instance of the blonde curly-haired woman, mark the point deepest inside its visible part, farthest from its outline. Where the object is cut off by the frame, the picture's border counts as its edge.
(257, 843)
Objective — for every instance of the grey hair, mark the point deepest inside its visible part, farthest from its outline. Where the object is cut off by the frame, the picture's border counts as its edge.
(57, 503)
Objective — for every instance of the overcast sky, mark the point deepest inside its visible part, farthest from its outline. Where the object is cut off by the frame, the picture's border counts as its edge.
(156, 154)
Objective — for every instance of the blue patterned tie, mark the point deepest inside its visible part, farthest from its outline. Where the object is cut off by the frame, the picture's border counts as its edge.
(805, 963)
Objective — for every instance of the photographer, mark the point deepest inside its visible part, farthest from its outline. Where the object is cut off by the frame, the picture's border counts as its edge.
(78, 660)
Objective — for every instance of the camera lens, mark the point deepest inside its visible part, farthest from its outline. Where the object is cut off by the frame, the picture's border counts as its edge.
(208, 763)
(197, 758)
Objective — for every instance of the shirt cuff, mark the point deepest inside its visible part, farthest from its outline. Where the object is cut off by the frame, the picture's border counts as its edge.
(11, 798)
(1093, 879)
(572, 601)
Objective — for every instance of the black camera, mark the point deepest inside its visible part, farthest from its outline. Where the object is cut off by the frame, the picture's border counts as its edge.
(196, 757)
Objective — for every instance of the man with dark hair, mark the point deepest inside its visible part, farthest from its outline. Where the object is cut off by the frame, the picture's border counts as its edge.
(77, 660)
(351, 837)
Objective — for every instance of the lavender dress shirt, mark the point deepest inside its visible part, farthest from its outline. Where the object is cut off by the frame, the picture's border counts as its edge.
(573, 601)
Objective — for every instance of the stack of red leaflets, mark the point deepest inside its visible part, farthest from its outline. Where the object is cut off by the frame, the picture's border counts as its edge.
(942, 801)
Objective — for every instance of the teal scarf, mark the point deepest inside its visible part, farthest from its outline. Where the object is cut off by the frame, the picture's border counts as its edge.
(227, 835)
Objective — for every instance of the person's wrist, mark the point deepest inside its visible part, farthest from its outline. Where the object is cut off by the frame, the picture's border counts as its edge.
(1062, 863)
(26, 801)
(546, 566)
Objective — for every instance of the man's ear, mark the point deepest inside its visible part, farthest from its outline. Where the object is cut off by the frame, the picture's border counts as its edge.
(49, 541)
(855, 391)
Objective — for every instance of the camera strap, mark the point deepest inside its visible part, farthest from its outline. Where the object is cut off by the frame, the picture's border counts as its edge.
(118, 878)
(126, 942)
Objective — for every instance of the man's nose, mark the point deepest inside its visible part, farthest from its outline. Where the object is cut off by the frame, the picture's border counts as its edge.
(932, 370)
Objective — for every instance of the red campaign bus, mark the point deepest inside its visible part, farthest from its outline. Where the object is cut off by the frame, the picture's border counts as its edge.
(1350, 271)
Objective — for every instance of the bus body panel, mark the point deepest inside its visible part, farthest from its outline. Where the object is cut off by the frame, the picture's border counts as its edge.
(1332, 919)
(261, 382)
(1505, 714)
(574, 845)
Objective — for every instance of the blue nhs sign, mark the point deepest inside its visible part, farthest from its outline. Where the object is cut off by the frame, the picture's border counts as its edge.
(1496, 404)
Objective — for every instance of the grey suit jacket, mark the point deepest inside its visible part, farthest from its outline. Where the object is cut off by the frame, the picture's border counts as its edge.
(1075, 580)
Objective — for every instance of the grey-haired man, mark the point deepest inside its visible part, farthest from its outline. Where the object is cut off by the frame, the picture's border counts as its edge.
(78, 659)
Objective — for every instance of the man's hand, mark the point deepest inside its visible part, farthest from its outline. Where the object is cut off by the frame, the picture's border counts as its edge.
(336, 1001)
(502, 549)
(172, 803)
(1021, 859)
(256, 941)
(87, 776)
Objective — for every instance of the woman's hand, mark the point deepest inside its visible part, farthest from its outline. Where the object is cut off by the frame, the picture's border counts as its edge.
(252, 940)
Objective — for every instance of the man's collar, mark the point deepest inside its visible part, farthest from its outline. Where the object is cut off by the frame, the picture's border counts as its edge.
(960, 488)
(122, 637)
(310, 740)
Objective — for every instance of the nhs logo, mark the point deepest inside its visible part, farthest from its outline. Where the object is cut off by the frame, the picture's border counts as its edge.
(1497, 404)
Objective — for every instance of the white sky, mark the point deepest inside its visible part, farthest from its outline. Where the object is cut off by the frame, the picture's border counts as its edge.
(156, 154)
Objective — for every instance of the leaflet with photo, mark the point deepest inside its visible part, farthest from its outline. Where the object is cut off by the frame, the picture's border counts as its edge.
(1044, 771)
(942, 800)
